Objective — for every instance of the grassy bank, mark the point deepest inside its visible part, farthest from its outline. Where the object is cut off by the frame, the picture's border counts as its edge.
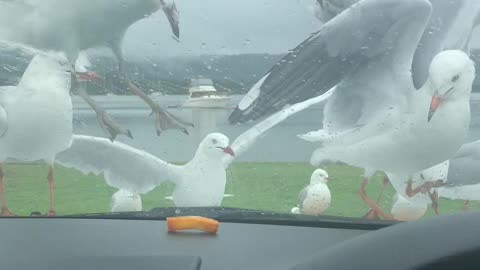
(266, 186)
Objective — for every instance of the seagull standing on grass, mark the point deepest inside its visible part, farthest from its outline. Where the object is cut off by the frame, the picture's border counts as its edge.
(315, 198)
(375, 119)
(71, 26)
(36, 118)
(200, 182)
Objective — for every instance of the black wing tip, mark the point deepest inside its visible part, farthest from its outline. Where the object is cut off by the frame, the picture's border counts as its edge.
(236, 117)
(244, 116)
(129, 134)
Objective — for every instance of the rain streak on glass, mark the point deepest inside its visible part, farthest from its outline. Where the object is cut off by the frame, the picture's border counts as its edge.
(319, 108)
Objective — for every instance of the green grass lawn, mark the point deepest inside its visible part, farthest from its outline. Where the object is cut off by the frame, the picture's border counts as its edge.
(264, 186)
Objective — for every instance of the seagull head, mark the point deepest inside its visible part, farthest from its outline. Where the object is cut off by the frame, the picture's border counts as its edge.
(49, 70)
(216, 144)
(319, 176)
(173, 18)
(451, 77)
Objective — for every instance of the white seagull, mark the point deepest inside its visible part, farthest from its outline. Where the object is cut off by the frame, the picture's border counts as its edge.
(460, 176)
(416, 194)
(375, 119)
(315, 198)
(124, 201)
(406, 210)
(402, 209)
(71, 26)
(424, 186)
(200, 182)
(345, 46)
(36, 118)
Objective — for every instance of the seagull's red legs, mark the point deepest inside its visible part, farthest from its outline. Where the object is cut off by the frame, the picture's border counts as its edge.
(425, 187)
(51, 212)
(3, 201)
(434, 198)
(372, 214)
(375, 208)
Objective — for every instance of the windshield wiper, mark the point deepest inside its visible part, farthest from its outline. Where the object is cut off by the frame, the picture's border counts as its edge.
(239, 215)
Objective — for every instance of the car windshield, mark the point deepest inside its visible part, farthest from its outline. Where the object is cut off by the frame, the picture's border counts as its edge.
(364, 109)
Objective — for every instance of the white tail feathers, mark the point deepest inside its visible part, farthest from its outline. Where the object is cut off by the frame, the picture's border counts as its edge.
(295, 210)
(126, 201)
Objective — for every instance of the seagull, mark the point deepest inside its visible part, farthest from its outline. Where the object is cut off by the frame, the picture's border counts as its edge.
(375, 119)
(459, 175)
(406, 210)
(457, 179)
(125, 201)
(410, 140)
(412, 203)
(325, 59)
(315, 198)
(199, 182)
(427, 183)
(71, 26)
(402, 210)
(36, 118)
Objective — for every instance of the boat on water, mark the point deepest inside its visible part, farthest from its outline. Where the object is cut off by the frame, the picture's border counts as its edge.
(204, 95)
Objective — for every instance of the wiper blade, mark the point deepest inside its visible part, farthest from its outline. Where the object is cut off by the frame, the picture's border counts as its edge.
(239, 215)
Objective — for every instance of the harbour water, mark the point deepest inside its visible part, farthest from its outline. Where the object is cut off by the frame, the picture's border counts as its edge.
(279, 144)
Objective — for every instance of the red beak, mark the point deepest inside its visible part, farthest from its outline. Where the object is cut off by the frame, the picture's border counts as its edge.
(228, 150)
(436, 101)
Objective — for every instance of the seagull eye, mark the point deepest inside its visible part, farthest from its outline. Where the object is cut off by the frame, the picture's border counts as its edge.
(214, 141)
(455, 78)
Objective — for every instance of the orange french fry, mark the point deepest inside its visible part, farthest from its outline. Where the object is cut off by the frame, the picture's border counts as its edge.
(192, 223)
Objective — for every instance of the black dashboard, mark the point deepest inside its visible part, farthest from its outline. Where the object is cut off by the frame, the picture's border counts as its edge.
(113, 242)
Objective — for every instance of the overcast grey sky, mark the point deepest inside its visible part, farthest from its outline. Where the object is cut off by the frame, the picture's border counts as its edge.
(227, 27)
(224, 27)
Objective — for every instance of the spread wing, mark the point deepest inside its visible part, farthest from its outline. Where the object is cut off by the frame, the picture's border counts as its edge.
(345, 45)
(246, 139)
(123, 166)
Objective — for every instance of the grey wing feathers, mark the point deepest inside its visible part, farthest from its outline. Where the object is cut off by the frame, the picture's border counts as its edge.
(464, 167)
(123, 166)
(469, 150)
(463, 171)
(302, 196)
(344, 44)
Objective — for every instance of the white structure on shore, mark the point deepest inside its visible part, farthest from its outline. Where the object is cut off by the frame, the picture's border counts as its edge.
(207, 107)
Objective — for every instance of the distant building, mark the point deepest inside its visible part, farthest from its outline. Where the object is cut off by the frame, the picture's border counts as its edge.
(204, 95)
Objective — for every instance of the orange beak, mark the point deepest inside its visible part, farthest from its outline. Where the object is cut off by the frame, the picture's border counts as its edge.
(228, 150)
(436, 102)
